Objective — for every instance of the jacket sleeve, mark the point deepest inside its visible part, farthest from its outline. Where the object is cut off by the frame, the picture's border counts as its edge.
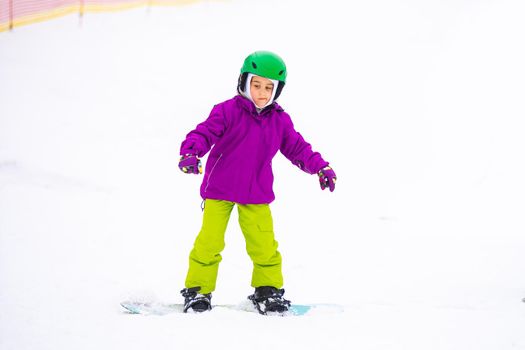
(298, 151)
(200, 140)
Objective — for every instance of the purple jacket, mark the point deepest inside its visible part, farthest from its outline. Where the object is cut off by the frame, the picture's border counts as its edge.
(239, 167)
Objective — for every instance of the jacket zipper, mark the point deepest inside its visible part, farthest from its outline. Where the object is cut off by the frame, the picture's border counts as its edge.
(211, 172)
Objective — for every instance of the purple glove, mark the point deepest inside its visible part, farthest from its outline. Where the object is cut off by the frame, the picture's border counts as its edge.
(190, 164)
(327, 178)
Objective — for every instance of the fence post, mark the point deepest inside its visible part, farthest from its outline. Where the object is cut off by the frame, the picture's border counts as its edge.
(81, 12)
(11, 24)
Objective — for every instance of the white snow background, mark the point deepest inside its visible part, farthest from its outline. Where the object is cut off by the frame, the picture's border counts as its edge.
(418, 105)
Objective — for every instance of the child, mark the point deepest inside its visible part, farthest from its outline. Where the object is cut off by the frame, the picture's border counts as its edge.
(245, 132)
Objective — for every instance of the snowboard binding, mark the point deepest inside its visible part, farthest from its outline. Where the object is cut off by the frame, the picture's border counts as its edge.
(195, 301)
(269, 300)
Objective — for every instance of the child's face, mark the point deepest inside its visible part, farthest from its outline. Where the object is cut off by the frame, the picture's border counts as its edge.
(261, 90)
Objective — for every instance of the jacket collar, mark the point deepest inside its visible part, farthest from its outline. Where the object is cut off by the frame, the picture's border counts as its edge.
(249, 106)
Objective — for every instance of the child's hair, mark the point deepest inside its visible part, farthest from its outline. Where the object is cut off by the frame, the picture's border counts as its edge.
(265, 64)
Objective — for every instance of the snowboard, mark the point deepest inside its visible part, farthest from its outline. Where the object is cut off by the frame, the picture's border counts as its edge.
(160, 309)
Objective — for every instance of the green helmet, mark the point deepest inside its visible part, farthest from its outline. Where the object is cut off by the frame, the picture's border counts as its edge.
(265, 64)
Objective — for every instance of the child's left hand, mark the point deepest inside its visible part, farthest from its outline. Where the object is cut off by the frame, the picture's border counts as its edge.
(327, 178)
(190, 164)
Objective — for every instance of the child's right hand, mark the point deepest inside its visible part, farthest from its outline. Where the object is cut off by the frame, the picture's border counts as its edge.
(327, 178)
(190, 164)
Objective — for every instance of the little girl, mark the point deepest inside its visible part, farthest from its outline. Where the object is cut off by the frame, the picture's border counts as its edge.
(244, 134)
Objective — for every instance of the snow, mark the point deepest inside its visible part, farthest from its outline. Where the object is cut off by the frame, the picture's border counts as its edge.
(418, 105)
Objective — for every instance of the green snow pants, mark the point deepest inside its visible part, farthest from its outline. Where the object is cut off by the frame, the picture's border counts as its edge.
(257, 227)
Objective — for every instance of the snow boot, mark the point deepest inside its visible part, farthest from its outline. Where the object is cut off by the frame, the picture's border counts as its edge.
(195, 301)
(269, 300)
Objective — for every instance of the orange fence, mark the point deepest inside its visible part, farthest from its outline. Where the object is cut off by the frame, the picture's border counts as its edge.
(15, 13)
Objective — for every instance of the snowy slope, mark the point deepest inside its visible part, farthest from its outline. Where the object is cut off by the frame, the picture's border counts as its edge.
(417, 105)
